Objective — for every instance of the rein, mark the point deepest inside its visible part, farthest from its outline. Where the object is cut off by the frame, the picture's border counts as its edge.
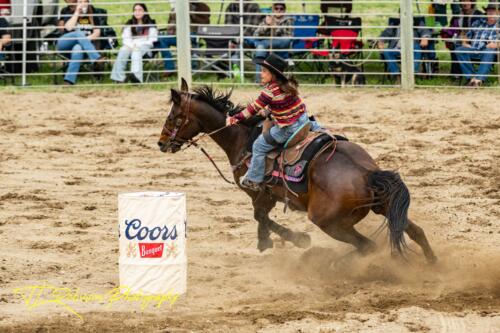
(193, 142)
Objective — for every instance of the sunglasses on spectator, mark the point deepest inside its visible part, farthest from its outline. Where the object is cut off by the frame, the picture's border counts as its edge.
(279, 8)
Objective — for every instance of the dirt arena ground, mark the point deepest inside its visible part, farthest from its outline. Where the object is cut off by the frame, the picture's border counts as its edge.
(66, 156)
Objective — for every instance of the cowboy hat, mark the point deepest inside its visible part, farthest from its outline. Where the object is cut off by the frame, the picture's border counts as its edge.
(275, 64)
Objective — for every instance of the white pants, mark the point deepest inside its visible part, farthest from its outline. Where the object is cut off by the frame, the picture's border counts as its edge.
(136, 54)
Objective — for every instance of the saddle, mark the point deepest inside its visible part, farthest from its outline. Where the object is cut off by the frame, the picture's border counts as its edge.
(289, 162)
(290, 166)
(292, 154)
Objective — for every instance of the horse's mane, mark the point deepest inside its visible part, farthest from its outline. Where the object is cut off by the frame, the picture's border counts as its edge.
(219, 100)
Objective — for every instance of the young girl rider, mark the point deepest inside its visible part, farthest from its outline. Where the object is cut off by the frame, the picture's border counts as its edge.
(281, 97)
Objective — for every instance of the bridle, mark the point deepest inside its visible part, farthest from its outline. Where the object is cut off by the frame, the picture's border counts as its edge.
(180, 123)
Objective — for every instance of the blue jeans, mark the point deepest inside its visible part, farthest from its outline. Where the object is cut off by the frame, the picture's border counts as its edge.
(248, 42)
(431, 51)
(262, 47)
(80, 45)
(135, 55)
(164, 43)
(2, 56)
(392, 58)
(260, 147)
(485, 56)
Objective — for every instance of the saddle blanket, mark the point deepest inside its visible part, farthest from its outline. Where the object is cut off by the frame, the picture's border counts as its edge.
(295, 167)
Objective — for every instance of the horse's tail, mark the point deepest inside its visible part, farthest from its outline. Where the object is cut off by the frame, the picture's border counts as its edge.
(392, 200)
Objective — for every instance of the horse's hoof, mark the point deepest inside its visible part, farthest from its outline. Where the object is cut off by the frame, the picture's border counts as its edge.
(432, 260)
(302, 240)
(264, 244)
(344, 261)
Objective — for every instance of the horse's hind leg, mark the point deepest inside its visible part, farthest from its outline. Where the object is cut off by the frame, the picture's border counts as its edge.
(347, 234)
(418, 236)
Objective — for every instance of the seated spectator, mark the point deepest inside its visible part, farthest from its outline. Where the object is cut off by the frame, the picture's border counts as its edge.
(80, 29)
(481, 43)
(251, 19)
(138, 37)
(459, 25)
(279, 28)
(199, 14)
(392, 53)
(5, 37)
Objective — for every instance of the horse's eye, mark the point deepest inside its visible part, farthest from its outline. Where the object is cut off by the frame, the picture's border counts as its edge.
(178, 122)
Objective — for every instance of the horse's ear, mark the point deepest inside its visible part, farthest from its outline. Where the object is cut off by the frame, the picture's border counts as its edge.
(176, 96)
(184, 85)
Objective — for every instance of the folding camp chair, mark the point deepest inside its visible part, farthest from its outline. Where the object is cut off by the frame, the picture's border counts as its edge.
(342, 48)
(152, 66)
(305, 31)
(216, 57)
(344, 6)
(430, 63)
(305, 27)
(5, 75)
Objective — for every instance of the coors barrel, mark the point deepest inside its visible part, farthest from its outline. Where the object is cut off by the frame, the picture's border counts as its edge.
(152, 236)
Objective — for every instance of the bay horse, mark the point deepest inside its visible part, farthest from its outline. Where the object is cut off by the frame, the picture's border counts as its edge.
(341, 190)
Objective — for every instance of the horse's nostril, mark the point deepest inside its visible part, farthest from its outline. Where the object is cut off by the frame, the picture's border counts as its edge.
(160, 144)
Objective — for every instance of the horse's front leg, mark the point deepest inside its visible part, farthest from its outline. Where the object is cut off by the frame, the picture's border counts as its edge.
(263, 233)
(261, 209)
(263, 204)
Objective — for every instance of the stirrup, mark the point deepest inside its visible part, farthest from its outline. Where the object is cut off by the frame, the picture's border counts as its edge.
(248, 184)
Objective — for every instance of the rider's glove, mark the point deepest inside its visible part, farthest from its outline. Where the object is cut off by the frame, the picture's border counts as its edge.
(231, 121)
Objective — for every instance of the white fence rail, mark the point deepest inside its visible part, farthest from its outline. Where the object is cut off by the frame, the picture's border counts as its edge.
(368, 43)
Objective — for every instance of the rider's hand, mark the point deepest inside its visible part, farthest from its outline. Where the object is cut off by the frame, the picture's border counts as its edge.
(263, 113)
(231, 121)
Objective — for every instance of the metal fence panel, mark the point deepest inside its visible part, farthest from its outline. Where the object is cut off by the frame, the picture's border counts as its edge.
(344, 43)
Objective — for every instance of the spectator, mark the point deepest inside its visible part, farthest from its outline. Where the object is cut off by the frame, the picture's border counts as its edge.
(5, 37)
(421, 36)
(277, 25)
(439, 8)
(459, 25)
(251, 19)
(138, 37)
(200, 14)
(252, 16)
(80, 29)
(481, 43)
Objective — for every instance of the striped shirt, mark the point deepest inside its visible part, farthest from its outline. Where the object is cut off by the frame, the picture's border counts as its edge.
(285, 108)
(482, 34)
